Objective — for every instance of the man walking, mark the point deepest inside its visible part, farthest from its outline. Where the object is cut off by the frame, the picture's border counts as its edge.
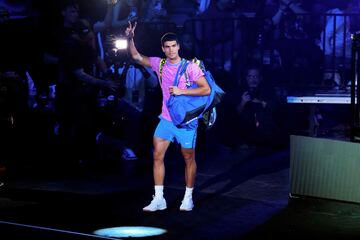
(166, 132)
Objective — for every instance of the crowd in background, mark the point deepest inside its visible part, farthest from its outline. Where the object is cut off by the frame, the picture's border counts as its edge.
(258, 51)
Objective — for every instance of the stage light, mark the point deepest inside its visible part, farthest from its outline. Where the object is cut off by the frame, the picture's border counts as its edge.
(127, 232)
(121, 44)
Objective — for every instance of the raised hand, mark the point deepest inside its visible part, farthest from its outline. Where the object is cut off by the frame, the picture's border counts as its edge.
(130, 30)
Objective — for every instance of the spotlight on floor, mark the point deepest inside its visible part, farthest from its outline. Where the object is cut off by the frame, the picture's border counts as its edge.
(127, 232)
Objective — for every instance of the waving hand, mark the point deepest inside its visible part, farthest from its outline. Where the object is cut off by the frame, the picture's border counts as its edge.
(130, 30)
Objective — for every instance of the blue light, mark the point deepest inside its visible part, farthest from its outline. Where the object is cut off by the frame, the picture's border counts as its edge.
(137, 231)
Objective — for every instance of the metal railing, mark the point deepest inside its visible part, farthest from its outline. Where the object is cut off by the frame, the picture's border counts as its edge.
(314, 52)
(302, 51)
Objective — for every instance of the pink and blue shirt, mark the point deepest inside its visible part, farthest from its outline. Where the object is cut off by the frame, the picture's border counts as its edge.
(168, 76)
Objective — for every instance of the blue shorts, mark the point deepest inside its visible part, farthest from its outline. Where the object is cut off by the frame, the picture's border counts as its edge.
(168, 131)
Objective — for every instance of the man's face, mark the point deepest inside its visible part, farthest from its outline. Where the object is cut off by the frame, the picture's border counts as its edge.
(70, 14)
(253, 78)
(171, 49)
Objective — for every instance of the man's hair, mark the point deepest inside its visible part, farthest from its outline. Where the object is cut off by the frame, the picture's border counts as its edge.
(170, 36)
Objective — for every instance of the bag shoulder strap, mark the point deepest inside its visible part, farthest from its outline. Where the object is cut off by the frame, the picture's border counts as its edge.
(200, 63)
(161, 66)
(194, 60)
(181, 70)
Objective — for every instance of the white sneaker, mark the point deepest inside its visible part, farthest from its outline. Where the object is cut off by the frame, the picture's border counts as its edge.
(187, 204)
(156, 204)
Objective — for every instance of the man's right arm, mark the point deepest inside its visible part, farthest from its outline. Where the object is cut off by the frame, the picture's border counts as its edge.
(141, 59)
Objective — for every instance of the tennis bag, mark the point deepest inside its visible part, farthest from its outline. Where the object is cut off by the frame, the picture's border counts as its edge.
(185, 110)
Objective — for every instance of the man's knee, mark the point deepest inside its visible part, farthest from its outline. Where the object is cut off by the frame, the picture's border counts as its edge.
(158, 155)
(188, 154)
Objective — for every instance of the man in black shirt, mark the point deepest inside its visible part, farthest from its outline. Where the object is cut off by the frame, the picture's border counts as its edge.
(251, 109)
(78, 87)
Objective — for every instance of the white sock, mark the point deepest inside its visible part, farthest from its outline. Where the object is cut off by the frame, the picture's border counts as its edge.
(188, 192)
(159, 191)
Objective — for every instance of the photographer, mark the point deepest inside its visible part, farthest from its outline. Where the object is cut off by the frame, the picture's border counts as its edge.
(251, 110)
(77, 92)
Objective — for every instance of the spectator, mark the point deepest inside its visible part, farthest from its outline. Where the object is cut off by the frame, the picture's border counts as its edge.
(251, 110)
(124, 12)
(154, 11)
(189, 46)
(293, 50)
(180, 11)
(290, 16)
(52, 36)
(135, 112)
(335, 42)
(156, 22)
(78, 87)
(218, 35)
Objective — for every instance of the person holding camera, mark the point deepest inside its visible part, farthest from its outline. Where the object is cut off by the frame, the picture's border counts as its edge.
(251, 109)
(166, 132)
(78, 89)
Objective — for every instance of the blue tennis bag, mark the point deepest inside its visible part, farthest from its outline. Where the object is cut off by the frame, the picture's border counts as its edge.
(185, 110)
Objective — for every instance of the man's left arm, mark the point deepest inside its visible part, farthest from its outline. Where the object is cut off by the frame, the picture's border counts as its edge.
(202, 89)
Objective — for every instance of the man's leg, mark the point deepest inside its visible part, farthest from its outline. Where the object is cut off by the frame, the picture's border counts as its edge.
(158, 202)
(190, 174)
(160, 147)
(190, 166)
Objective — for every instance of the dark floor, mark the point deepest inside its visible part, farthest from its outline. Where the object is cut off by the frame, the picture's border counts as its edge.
(240, 194)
